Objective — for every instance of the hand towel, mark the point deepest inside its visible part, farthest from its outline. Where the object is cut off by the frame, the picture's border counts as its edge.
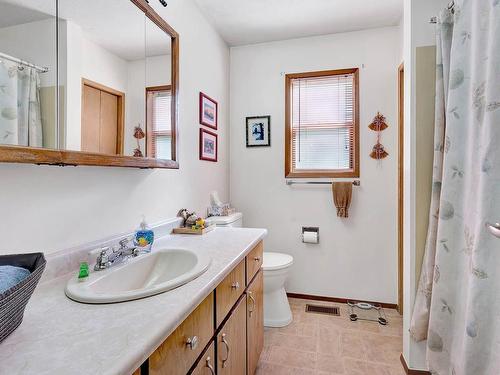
(10, 276)
(342, 193)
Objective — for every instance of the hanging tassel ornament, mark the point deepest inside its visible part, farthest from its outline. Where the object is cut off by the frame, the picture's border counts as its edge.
(138, 134)
(378, 124)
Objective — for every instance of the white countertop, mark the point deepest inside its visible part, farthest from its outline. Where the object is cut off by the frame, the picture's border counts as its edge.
(60, 336)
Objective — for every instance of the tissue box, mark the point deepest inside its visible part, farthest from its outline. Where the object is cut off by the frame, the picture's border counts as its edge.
(14, 300)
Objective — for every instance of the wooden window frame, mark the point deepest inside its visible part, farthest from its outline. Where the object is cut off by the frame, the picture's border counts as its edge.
(149, 127)
(289, 172)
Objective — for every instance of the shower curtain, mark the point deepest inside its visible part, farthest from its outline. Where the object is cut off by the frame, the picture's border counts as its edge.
(457, 306)
(20, 114)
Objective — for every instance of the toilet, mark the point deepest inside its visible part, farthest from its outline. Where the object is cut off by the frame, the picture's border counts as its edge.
(234, 220)
(277, 311)
(276, 266)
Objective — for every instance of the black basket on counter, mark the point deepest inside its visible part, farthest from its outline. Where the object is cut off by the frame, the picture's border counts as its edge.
(13, 301)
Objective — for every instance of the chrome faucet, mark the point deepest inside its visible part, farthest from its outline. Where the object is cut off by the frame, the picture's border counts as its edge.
(107, 259)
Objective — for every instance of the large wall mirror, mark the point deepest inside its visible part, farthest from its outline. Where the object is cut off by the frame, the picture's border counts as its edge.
(90, 82)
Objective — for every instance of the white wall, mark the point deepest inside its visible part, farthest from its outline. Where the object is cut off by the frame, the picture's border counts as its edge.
(157, 74)
(86, 59)
(33, 42)
(51, 208)
(357, 257)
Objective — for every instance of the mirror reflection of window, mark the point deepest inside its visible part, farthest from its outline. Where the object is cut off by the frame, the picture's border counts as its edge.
(158, 119)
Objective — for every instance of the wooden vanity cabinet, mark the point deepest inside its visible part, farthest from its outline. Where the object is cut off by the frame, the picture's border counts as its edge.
(231, 343)
(206, 364)
(254, 261)
(255, 321)
(181, 349)
(228, 291)
(224, 334)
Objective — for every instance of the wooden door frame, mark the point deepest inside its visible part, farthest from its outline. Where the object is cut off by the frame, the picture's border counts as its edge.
(401, 100)
(120, 136)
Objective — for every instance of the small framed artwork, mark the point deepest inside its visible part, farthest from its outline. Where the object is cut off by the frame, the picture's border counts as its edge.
(258, 131)
(208, 145)
(208, 111)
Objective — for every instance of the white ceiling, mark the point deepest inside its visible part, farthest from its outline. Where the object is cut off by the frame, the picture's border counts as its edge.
(116, 25)
(12, 14)
(243, 22)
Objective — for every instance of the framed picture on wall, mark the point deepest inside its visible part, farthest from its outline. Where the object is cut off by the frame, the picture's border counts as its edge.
(208, 145)
(208, 111)
(259, 131)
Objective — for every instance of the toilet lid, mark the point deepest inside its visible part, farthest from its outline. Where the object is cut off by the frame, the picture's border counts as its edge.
(276, 261)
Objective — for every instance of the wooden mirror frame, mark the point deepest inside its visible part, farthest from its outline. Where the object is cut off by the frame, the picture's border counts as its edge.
(41, 156)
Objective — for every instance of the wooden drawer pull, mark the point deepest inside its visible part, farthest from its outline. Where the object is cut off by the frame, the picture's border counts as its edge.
(250, 310)
(257, 259)
(210, 367)
(235, 285)
(192, 342)
(224, 341)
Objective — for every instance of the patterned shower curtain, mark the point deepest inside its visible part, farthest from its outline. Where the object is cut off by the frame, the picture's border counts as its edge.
(20, 114)
(457, 306)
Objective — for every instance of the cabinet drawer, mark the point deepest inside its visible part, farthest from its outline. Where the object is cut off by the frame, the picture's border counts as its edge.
(206, 364)
(254, 261)
(229, 290)
(231, 343)
(181, 349)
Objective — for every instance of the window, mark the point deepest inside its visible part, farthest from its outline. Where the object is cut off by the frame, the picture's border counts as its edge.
(322, 127)
(158, 122)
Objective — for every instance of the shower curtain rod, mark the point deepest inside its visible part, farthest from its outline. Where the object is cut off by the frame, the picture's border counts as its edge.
(451, 6)
(41, 69)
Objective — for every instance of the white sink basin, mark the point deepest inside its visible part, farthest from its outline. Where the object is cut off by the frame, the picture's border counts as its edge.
(144, 276)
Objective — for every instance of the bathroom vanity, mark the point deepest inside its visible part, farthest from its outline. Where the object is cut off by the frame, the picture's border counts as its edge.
(228, 322)
(214, 321)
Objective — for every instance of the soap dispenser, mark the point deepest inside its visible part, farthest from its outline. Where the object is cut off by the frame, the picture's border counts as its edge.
(144, 237)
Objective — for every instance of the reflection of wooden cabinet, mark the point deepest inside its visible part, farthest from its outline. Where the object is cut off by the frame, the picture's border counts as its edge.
(102, 119)
(231, 343)
(255, 321)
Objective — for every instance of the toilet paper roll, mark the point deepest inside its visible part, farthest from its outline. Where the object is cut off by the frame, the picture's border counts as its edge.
(310, 237)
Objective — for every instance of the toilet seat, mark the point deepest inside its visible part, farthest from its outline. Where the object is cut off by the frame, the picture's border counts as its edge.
(276, 261)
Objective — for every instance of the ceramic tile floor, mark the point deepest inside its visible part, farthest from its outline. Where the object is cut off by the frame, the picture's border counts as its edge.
(316, 344)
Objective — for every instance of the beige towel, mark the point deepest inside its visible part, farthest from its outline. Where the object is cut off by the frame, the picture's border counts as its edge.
(342, 193)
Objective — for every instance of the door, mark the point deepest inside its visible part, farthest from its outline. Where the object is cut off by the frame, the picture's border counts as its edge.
(231, 343)
(102, 119)
(255, 321)
(401, 101)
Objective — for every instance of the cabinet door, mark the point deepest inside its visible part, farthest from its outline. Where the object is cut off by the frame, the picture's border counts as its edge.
(206, 365)
(179, 351)
(254, 261)
(255, 321)
(229, 291)
(231, 343)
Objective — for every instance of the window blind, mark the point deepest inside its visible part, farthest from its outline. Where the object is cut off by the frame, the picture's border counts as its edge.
(161, 129)
(323, 116)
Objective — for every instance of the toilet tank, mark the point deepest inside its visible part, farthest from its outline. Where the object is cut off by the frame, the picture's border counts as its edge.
(235, 220)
